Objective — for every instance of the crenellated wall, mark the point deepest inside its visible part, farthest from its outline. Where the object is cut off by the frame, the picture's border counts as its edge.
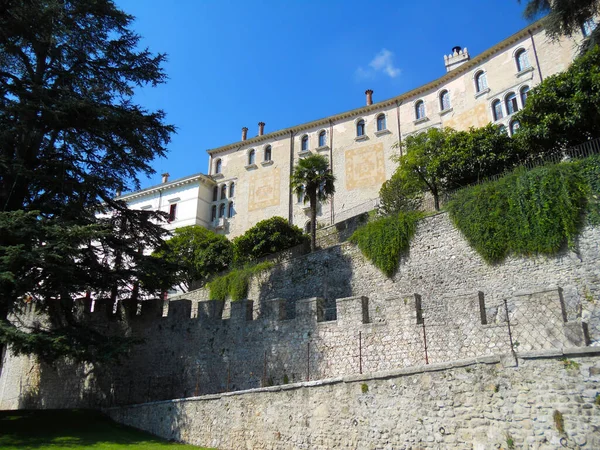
(330, 314)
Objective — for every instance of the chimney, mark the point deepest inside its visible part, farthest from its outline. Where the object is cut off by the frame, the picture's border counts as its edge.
(369, 93)
(165, 177)
(457, 58)
(244, 133)
(261, 128)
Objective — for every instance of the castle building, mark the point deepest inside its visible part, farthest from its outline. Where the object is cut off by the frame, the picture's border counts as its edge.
(248, 181)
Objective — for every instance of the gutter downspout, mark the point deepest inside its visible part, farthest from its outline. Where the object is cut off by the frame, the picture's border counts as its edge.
(398, 119)
(331, 207)
(291, 194)
(537, 61)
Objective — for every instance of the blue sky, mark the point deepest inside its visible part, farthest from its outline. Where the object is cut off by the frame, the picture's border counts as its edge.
(233, 63)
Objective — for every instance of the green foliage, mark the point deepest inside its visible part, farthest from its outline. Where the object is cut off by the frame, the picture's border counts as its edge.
(564, 109)
(71, 135)
(198, 253)
(385, 240)
(569, 364)
(364, 388)
(524, 213)
(590, 170)
(313, 178)
(564, 18)
(559, 421)
(441, 160)
(510, 442)
(267, 237)
(235, 283)
(286, 379)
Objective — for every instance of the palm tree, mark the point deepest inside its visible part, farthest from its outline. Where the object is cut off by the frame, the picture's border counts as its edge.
(313, 178)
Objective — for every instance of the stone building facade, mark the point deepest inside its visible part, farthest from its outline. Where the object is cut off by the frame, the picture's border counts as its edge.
(248, 181)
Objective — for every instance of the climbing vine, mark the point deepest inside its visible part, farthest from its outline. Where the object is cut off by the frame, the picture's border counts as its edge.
(526, 212)
(383, 241)
(235, 284)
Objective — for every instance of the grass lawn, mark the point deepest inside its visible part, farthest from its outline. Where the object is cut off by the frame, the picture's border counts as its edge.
(72, 430)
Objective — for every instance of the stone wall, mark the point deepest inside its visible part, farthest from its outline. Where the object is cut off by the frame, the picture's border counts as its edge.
(480, 404)
(329, 314)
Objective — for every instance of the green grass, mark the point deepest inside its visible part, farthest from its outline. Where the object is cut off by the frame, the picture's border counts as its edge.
(72, 430)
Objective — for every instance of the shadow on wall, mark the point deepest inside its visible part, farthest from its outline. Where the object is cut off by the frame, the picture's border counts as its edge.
(325, 274)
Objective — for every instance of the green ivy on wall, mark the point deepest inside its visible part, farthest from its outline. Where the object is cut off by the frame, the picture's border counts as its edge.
(385, 240)
(527, 212)
(235, 284)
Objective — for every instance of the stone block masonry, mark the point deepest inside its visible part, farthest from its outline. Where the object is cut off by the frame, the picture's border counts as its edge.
(470, 404)
(332, 314)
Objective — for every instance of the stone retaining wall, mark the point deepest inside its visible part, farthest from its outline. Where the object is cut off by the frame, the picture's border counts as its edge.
(481, 403)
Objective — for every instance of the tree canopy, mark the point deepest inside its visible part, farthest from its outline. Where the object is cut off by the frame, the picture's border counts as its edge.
(198, 253)
(265, 238)
(566, 17)
(70, 137)
(564, 109)
(313, 179)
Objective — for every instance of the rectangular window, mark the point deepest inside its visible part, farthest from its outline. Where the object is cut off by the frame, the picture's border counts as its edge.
(172, 212)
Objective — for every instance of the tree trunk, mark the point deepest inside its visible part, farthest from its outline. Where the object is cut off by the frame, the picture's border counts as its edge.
(313, 221)
(436, 199)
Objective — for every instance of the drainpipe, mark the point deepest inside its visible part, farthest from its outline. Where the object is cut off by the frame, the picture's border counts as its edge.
(331, 207)
(537, 61)
(398, 120)
(291, 196)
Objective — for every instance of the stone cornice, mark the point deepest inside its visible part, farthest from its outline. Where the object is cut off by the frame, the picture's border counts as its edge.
(203, 179)
(469, 65)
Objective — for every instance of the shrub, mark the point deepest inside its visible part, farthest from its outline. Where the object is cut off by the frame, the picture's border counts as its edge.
(267, 237)
(235, 283)
(524, 213)
(590, 170)
(384, 240)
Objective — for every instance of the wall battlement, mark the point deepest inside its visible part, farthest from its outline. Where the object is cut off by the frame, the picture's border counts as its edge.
(330, 314)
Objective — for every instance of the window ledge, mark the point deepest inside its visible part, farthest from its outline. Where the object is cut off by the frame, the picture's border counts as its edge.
(382, 132)
(303, 153)
(266, 163)
(218, 176)
(421, 120)
(524, 71)
(446, 111)
(482, 93)
(251, 167)
(322, 148)
(364, 137)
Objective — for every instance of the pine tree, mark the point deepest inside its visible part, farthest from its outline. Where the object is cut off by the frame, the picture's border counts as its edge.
(70, 137)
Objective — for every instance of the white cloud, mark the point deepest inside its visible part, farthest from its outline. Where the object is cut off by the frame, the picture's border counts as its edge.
(383, 62)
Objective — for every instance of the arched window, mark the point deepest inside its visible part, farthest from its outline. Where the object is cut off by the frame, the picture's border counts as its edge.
(215, 193)
(221, 210)
(444, 100)
(381, 122)
(587, 27)
(230, 211)
(360, 128)
(497, 110)
(223, 192)
(301, 195)
(213, 213)
(511, 103)
(322, 139)
(522, 60)
(307, 227)
(419, 110)
(268, 153)
(524, 93)
(231, 190)
(480, 81)
(218, 166)
(304, 146)
(502, 128)
(251, 157)
(514, 126)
